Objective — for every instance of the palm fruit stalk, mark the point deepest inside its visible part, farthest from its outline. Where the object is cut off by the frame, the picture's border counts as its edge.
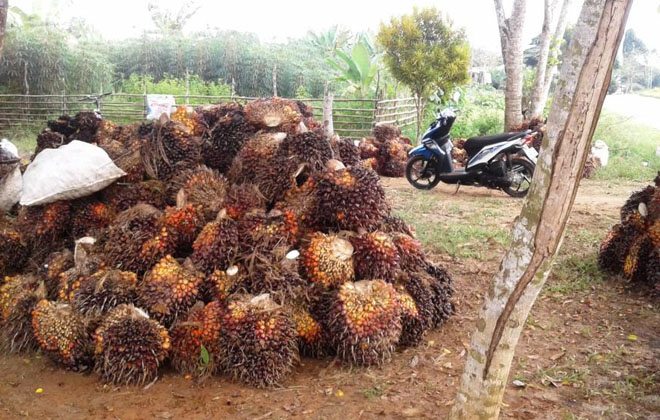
(203, 187)
(136, 240)
(351, 198)
(130, 347)
(274, 271)
(103, 291)
(18, 297)
(327, 260)
(258, 344)
(216, 245)
(273, 113)
(195, 340)
(364, 322)
(170, 148)
(62, 334)
(376, 256)
(225, 130)
(169, 290)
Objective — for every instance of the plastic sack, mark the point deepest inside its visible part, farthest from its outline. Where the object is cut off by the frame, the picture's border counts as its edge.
(74, 170)
(601, 151)
(11, 181)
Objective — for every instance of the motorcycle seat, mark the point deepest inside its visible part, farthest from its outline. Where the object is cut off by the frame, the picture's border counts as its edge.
(474, 144)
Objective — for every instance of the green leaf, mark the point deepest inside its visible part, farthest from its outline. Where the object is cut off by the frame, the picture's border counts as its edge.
(204, 355)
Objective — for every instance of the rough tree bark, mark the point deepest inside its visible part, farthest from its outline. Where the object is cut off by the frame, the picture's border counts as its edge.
(511, 31)
(538, 231)
(538, 102)
(328, 125)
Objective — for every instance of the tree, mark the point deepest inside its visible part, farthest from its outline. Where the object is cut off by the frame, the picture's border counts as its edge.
(4, 7)
(541, 90)
(538, 231)
(511, 31)
(425, 53)
(169, 22)
(360, 71)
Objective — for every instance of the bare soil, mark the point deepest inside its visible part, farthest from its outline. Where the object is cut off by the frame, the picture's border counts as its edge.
(590, 350)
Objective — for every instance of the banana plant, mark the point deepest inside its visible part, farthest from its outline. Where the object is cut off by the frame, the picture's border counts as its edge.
(358, 69)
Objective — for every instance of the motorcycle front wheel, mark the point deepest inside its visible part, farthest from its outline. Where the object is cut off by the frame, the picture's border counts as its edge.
(521, 174)
(421, 173)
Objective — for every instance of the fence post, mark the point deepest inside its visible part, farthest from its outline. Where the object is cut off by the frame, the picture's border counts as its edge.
(328, 125)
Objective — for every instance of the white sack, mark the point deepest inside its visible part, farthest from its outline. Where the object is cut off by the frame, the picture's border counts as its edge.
(11, 181)
(601, 151)
(74, 170)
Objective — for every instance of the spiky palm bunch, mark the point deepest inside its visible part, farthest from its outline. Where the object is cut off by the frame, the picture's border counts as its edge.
(310, 147)
(273, 113)
(376, 256)
(364, 322)
(62, 334)
(130, 347)
(327, 260)
(241, 198)
(104, 290)
(258, 344)
(90, 216)
(225, 129)
(13, 253)
(216, 246)
(203, 187)
(18, 297)
(42, 228)
(122, 196)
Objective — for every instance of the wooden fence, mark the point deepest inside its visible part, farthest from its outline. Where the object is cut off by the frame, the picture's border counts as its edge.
(352, 117)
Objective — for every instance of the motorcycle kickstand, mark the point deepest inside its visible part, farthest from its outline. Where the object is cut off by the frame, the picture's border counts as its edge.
(458, 186)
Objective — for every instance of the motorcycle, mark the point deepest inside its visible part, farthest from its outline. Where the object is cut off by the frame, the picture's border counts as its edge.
(503, 161)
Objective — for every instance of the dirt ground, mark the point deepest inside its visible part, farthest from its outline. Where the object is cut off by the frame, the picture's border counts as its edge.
(590, 349)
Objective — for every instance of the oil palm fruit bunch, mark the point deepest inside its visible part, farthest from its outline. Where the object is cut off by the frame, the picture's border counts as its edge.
(54, 265)
(203, 187)
(130, 347)
(419, 285)
(170, 148)
(299, 207)
(313, 340)
(184, 117)
(221, 284)
(311, 147)
(63, 125)
(275, 272)
(195, 340)
(122, 196)
(42, 228)
(273, 113)
(327, 260)
(13, 254)
(364, 322)
(183, 223)
(127, 158)
(136, 240)
(258, 343)
(225, 128)
(346, 150)
(410, 252)
(257, 151)
(392, 158)
(368, 148)
(90, 216)
(216, 245)
(653, 269)
(385, 132)
(414, 323)
(242, 198)
(103, 291)
(350, 198)
(376, 256)
(535, 124)
(393, 224)
(631, 205)
(86, 262)
(86, 124)
(169, 290)
(276, 177)
(18, 297)
(49, 139)
(441, 292)
(62, 334)
(264, 231)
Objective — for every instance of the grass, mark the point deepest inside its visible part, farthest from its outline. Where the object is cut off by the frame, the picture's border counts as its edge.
(653, 93)
(630, 145)
(23, 137)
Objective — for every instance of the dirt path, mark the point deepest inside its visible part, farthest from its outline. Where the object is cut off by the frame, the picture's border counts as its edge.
(591, 348)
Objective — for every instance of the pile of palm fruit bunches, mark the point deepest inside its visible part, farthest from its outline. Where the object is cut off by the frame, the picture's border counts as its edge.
(632, 247)
(236, 242)
(386, 152)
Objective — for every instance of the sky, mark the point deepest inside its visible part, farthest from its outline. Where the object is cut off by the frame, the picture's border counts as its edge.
(275, 21)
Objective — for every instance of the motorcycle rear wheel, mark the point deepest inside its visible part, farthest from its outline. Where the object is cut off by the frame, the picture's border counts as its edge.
(421, 173)
(522, 172)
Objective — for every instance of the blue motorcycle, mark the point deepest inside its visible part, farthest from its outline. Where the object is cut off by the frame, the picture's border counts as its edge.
(503, 161)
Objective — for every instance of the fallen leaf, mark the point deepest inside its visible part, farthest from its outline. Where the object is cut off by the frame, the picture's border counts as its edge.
(557, 356)
(339, 393)
(414, 361)
(39, 391)
(632, 337)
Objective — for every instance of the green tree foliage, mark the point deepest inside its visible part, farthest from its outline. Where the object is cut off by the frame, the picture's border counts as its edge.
(357, 70)
(425, 53)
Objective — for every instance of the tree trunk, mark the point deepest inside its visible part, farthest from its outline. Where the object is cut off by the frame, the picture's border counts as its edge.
(538, 231)
(511, 31)
(328, 125)
(275, 80)
(553, 57)
(419, 107)
(4, 5)
(535, 106)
